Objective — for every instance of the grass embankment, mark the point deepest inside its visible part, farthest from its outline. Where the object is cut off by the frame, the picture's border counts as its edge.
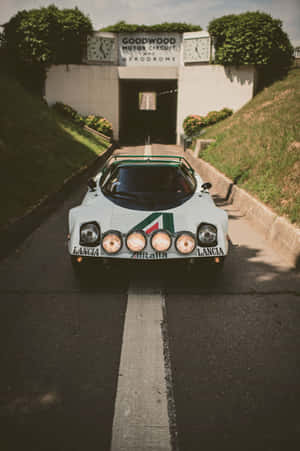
(259, 146)
(38, 150)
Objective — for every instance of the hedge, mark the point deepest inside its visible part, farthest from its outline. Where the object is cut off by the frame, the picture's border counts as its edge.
(166, 27)
(193, 123)
(251, 38)
(98, 123)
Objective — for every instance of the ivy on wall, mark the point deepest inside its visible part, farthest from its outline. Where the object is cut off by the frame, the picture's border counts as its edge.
(175, 27)
(252, 38)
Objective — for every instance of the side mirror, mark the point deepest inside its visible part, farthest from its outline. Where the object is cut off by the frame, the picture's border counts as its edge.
(206, 186)
(92, 184)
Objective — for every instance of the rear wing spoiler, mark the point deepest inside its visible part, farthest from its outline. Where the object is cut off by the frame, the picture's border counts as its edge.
(151, 159)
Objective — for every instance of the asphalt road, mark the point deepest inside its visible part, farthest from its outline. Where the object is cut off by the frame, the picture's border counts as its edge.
(234, 345)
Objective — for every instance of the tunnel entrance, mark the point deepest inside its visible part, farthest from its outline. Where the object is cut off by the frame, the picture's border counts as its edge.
(148, 108)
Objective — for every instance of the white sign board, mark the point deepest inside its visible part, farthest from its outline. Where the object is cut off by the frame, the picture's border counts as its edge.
(149, 49)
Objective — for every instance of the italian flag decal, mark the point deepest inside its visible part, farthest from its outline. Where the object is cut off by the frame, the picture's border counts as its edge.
(156, 221)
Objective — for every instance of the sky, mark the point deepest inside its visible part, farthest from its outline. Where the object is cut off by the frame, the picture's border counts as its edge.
(197, 12)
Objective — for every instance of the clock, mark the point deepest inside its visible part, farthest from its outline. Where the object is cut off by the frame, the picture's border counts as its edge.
(101, 49)
(196, 50)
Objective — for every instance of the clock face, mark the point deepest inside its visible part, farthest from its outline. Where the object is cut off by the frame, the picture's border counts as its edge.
(100, 49)
(196, 50)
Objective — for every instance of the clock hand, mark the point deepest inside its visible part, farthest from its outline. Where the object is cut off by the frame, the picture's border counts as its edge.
(101, 49)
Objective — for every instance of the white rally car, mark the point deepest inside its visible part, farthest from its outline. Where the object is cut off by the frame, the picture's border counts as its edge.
(147, 208)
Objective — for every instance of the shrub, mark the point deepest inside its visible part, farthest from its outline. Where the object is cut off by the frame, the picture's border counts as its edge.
(176, 27)
(98, 123)
(193, 123)
(91, 121)
(252, 38)
(226, 111)
(37, 38)
(47, 35)
(69, 113)
(104, 126)
(212, 117)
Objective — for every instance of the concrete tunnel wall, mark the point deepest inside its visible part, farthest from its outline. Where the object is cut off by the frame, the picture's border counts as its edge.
(94, 89)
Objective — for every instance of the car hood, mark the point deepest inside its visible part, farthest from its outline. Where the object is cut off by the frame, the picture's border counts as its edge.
(188, 216)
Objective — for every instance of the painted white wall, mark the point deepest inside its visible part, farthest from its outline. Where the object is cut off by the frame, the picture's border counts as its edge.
(203, 88)
(94, 89)
(87, 89)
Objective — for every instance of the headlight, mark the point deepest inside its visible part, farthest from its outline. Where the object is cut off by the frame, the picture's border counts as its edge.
(112, 242)
(161, 241)
(185, 243)
(207, 235)
(89, 234)
(136, 241)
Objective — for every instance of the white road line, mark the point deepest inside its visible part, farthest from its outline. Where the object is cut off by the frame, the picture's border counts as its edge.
(141, 420)
(148, 150)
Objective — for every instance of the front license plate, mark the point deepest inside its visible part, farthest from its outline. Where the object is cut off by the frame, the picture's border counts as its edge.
(86, 251)
(150, 256)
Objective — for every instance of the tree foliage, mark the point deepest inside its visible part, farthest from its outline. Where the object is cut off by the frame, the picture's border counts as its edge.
(175, 27)
(47, 35)
(33, 40)
(251, 38)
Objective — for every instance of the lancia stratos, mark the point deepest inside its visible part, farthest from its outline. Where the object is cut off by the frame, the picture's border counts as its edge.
(147, 208)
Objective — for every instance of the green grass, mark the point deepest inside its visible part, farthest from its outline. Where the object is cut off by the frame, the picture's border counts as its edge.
(259, 146)
(38, 150)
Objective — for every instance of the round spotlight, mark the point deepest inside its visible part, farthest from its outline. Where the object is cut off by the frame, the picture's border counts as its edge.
(185, 243)
(207, 235)
(112, 242)
(136, 241)
(161, 241)
(89, 234)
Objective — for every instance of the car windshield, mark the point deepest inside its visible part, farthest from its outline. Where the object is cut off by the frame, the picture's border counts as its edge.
(150, 179)
(151, 187)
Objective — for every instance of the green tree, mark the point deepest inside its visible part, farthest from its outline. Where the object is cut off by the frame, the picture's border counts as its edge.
(47, 35)
(252, 38)
(37, 38)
